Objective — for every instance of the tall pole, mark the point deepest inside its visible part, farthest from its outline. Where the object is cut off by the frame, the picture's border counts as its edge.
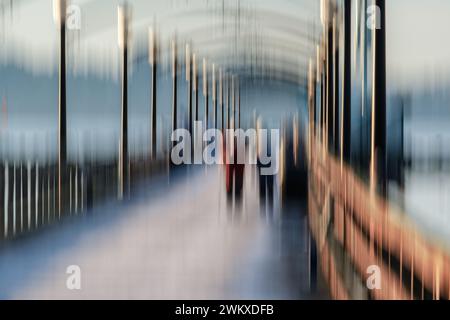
(195, 88)
(311, 104)
(320, 85)
(123, 16)
(189, 91)
(221, 99)
(317, 110)
(336, 85)
(233, 97)
(378, 135)
(322, 98)
(205, 91)
(174, 86)
(153, 64)
(365, 119)
(346, 86)
(189, 87)
(324, 7)
(60, 17)
(195, 79)
(330, 86)
(239, 103)
(228, 101)
(214, 94)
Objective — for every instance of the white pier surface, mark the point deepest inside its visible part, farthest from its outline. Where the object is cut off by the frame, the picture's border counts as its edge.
(177, 240)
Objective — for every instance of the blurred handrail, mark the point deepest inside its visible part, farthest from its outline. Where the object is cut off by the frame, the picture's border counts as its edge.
(389, 230)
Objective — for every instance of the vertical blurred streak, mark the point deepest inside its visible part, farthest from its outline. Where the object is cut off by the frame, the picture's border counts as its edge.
(318, 85)
(412, 269)
(346, 86)
(363, 48)
(49, 193)
(311, 85)
(365, 93)
(378, 140)
(233, 101)
(82, 196)
(21, 195)
(228, 100)
(358, 23)
(55, 193)
(205, 91)
(325, 53)
(123, 45)
(322, 95)
(29, 194)
(330, 85)
(14, 219)
(195, 80)
(214, 94)
(239, 102)
(225, 99)
(336, 84)
(189, 90)
(36, 195)
(70, 190)
(221, 99)
(153, 65)
(76, 188)
(174, 85)
(59, 7)
(6, 200)
(44, 166)
(323, 11)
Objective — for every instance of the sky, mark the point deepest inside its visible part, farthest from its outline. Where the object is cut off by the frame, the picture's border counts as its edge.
(416, 30)
(29, 38)
(417, 37)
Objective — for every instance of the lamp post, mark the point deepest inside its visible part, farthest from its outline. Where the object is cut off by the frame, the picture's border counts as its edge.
(336, 84)
(214, 94)
(189, 91)
(123, 38)
(233, 99)
(311, 105)
(174, 86)
(228, 100)
(195, 80)
(346, 86)
(378, 155)
(152, 50)
(239, 103)
(189, 86)
(317, 86)
(59, 12)
(221, 100)
(330, 86)
(205, 91)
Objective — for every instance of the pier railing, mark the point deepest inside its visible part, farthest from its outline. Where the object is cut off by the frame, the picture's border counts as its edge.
(357, 230)
(30, 192)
